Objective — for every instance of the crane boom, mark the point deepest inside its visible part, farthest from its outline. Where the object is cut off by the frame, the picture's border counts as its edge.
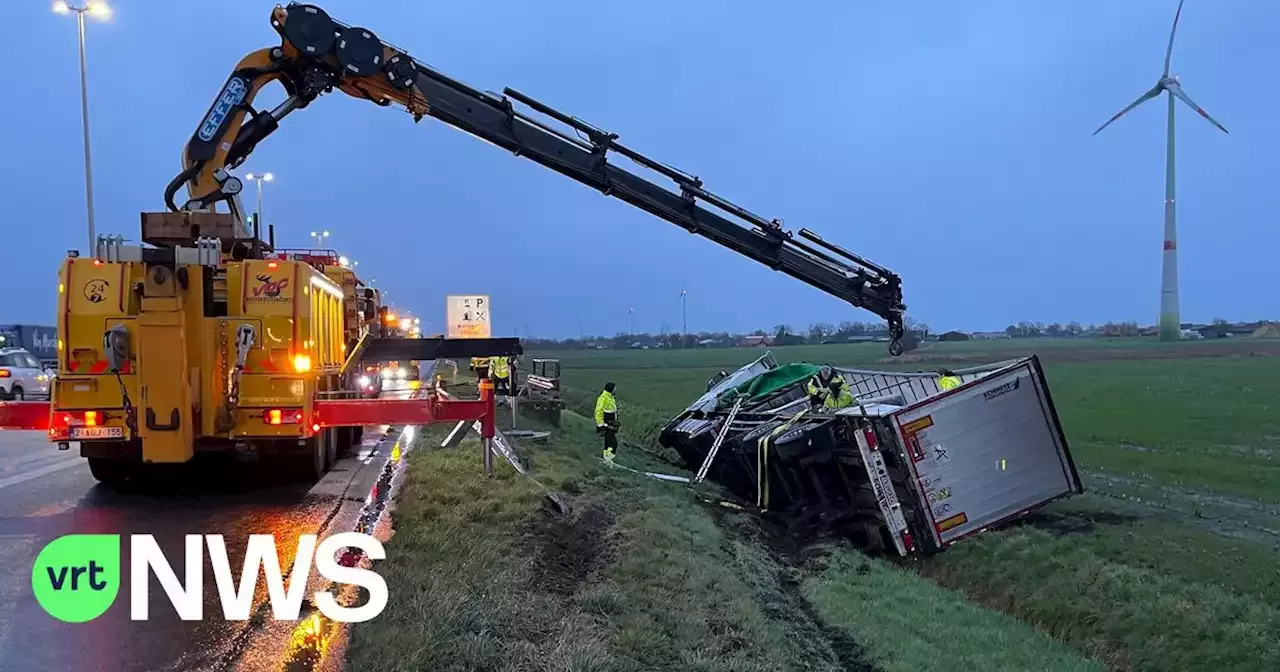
(319, 54)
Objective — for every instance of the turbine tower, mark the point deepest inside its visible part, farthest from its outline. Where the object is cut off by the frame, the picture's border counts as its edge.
(1170, 322)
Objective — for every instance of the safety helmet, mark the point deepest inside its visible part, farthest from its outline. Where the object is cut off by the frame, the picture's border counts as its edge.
(825, 371)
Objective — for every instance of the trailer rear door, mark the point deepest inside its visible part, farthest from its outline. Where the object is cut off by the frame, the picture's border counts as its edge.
(986, 451)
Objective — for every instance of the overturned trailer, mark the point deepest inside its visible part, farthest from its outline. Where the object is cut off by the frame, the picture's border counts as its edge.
(910, 468)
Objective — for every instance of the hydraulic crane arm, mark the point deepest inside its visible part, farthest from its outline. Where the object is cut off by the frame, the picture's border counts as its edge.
(318, 54)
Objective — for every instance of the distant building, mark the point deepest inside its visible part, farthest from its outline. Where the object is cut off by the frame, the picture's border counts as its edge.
(953, 336)
(1228, 330)
(1267, 330)
(755, 341)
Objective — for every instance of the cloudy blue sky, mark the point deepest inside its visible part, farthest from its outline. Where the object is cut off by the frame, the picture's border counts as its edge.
(947, 140)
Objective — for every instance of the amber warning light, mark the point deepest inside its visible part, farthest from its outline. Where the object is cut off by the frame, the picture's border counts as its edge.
(281, 416)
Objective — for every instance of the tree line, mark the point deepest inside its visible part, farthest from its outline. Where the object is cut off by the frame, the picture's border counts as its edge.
(826, 332)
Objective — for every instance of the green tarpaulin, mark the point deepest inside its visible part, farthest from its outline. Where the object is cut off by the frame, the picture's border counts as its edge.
(768, 382)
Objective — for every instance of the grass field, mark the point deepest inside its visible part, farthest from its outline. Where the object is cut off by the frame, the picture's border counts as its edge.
(1169, 562)
(641, 575)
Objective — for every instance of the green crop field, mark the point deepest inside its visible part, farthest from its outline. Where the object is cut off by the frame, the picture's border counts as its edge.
(1167, 562)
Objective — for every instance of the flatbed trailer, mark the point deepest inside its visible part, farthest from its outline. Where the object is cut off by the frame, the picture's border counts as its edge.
(538, 391)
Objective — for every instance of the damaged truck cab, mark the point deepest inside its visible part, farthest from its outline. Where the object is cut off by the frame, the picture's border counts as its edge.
(909, 468)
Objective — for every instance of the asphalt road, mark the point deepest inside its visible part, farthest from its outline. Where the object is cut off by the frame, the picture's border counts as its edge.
(45, 494)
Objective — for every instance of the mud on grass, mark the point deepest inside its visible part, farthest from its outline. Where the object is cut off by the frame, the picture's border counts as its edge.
(483, 577)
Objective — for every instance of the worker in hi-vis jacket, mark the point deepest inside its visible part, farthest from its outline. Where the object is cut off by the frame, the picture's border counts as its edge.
(820, 385)
(607, 420)
(500, 369)
(838, 396)
(481, 366)
(948, 380)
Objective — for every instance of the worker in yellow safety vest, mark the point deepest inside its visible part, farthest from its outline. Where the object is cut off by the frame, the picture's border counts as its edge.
(481, 366)
(500, 367)
(838, 397)
(607, 420)
(820, 385)
(948, 380)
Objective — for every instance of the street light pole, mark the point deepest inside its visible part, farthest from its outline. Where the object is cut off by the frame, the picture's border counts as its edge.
(84, 119)
(101, 10)
(260, 178)
(631, 321)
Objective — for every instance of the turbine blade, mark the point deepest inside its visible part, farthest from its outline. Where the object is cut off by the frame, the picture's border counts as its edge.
(1155, 91)
(1180, 95)
(1168, 53)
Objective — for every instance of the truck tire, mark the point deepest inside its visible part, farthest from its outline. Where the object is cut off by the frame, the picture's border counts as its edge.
(110, 471)
(332, 445)
(310, 464)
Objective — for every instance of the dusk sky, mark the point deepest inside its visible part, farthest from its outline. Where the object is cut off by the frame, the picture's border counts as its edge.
(949, 141)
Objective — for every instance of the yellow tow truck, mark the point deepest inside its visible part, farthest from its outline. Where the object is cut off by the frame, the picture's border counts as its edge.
(195, 345)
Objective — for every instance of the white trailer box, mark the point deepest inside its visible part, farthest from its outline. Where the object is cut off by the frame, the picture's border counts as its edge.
(985, 452)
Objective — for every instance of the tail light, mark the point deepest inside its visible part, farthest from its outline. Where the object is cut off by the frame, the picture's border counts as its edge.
(870, 433)
(282, 416)
(63, 421)
(4, 373)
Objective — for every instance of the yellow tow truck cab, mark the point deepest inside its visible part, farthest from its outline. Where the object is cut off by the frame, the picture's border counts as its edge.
(167, 352)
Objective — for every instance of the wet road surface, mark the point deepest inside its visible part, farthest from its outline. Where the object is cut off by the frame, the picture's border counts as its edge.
(45, 494)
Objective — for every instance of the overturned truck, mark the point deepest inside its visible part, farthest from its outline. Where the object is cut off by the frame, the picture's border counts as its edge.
(909, 468)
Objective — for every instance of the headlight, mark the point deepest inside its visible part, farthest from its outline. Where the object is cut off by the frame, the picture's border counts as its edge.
(385, 373)
(364, 381)
(399, 374)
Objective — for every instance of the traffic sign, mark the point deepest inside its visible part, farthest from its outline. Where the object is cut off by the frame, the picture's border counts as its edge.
(468, 316)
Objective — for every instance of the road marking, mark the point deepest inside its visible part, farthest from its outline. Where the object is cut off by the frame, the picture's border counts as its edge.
(37, 473)
(34, 461)
(16, 557)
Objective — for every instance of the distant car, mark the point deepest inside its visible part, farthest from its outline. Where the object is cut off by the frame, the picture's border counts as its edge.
(370, 382)
(22, 376)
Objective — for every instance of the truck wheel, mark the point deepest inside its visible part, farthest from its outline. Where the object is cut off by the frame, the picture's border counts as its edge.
(110, 471)
(332, 441)
(310, 463)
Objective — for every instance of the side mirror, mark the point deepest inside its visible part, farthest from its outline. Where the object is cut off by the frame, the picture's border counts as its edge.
(116, 345)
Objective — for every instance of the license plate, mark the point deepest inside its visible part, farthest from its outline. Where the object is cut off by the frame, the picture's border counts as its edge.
(97, 432)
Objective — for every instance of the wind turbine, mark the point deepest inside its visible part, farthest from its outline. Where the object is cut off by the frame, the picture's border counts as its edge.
(1170, 324)
(684, 315)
